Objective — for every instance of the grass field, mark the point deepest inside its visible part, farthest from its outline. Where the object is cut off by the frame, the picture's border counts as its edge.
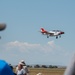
(46, 71)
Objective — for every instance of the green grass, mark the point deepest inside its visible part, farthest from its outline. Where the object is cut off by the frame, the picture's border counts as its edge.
(46, 71)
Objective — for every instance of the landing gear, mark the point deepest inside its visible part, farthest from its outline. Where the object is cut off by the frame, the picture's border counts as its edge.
(56, 37)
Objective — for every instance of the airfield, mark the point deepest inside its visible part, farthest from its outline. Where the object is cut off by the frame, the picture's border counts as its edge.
(46, 71)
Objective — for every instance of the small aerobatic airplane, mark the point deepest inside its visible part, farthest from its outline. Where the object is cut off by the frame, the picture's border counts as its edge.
(55, 33)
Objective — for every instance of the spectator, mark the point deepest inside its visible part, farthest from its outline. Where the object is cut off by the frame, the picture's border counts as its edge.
(20, 70)
(25, 67)
(5, 68)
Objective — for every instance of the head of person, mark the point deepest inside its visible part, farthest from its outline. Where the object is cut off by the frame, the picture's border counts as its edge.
(20, 66)
(23, 62)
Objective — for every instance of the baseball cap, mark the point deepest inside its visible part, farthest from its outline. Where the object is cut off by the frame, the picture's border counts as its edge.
(21, 63)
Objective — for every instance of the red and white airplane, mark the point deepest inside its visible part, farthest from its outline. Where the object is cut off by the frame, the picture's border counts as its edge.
(55, 33)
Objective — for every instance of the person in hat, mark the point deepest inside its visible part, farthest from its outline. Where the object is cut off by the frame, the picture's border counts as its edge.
(25, 67)
(20, 70)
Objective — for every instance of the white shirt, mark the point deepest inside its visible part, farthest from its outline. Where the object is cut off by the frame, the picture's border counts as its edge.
(26, 69)
(21, 72)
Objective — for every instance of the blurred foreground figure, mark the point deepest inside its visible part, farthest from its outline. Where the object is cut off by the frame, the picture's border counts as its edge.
(70, 70)
(39, 74)
(5, 68)
(2, 26)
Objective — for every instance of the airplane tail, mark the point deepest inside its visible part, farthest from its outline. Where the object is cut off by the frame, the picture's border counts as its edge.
(43, 30)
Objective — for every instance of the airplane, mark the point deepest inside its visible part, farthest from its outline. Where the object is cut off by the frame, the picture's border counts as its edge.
(55, 33)
(2, 27)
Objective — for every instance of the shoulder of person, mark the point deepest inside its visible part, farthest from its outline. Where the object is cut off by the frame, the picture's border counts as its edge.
(24, 66)
(23, 71)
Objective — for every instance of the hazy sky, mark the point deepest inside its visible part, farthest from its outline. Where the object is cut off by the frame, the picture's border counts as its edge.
(22, 39)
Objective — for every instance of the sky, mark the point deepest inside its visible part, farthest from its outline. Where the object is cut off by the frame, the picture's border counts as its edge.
(21, 40)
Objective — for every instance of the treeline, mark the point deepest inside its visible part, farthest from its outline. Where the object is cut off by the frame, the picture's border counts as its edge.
(42, 66)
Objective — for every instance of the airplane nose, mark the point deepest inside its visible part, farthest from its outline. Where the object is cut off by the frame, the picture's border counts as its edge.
(62, 32)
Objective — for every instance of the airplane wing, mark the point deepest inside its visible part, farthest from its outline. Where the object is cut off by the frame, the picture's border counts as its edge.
(51, 34)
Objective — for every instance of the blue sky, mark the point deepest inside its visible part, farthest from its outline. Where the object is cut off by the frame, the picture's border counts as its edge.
(22, 39)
